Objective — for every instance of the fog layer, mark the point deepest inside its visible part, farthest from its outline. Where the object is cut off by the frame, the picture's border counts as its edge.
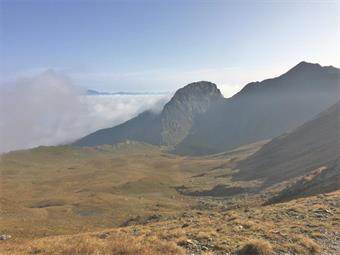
(49, 110)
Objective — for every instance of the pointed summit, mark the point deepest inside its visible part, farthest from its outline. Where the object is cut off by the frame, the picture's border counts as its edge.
(302, 78)
(304, 66)
(200, 89)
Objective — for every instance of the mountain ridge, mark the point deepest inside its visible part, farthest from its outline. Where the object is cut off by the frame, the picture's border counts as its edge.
(208, 123)
(263, 110)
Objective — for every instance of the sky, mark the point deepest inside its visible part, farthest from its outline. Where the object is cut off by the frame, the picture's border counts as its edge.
(156, 46)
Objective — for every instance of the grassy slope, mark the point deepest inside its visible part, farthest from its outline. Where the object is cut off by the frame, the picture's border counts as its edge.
(312, 145)
(322, 180)
(303, 226)
(64, 190)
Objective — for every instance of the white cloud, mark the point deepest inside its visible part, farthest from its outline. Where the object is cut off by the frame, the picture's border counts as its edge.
(49, 110)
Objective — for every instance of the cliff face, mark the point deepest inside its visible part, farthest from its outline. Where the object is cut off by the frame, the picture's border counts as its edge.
(188, 102)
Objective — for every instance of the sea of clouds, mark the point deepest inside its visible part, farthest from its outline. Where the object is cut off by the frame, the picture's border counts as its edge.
(49, 110)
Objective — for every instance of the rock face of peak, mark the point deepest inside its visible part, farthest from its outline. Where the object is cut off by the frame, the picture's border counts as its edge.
(178, 114)
(198, 90)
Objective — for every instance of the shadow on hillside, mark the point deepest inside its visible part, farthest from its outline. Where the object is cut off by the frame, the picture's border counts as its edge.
(217, 191)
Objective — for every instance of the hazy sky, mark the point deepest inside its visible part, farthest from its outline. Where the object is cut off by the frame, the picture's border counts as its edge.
(162, 45)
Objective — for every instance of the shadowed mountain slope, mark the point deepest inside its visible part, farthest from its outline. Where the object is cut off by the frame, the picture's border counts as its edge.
(198, 120)
(145, 127)
(322, 180)
(263, 110)
(312, 149)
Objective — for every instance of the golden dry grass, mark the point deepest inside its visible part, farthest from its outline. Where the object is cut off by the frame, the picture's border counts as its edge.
(256, 247)
(89, 244)
(66, 191)
(304, 245)
(277, 227)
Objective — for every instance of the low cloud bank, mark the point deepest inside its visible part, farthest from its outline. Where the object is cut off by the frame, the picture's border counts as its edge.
(49, 110)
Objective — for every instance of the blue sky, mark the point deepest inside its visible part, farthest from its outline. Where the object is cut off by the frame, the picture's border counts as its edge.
(162, 45)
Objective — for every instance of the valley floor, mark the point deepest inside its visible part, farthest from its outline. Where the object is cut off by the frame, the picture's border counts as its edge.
(137, 199)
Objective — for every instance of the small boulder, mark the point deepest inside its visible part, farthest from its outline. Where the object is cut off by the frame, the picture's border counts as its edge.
(103, 235)
(185, 225)
(5, 237)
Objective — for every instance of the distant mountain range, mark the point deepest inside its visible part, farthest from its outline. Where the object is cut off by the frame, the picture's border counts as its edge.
(91, 92)
(199, 120)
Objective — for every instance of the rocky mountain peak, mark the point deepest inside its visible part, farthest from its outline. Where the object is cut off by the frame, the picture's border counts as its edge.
(179, 113)
(304, 66)
(198, 90)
